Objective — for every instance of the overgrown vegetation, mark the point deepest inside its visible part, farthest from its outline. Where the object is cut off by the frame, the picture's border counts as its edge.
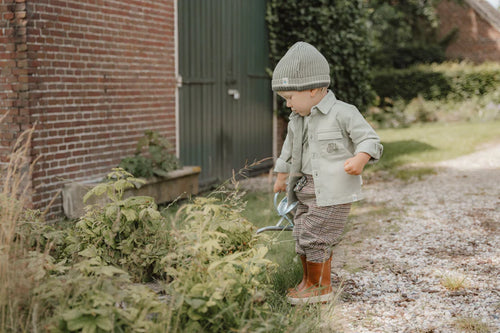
(210, 269)
(157, 161)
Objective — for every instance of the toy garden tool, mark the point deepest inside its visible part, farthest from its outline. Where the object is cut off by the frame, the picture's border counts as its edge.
(283, 209)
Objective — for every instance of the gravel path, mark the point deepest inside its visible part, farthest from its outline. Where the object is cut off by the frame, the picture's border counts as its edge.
(445, 226)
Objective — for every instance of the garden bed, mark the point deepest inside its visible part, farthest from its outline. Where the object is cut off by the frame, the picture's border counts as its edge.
(177, 184)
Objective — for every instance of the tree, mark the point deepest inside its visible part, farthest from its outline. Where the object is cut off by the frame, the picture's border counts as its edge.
(405, 32)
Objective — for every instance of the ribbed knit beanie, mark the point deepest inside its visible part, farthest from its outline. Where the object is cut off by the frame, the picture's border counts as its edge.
(302, 67)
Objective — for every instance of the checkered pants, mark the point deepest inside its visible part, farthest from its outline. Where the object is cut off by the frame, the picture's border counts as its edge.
(317, 229)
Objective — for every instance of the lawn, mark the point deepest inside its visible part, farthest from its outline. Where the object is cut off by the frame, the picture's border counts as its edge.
(432, 143)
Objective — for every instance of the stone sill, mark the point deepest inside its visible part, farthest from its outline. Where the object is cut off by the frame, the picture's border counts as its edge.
(179, 184)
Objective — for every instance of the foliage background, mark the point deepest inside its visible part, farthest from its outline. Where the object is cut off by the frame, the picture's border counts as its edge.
(338, 29)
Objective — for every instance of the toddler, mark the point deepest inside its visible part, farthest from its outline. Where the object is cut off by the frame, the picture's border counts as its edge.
(326, 148)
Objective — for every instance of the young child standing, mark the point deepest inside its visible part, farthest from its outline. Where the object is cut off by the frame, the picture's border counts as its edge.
(326, 148)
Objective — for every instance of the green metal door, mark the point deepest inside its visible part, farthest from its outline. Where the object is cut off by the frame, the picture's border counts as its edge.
(225, 101)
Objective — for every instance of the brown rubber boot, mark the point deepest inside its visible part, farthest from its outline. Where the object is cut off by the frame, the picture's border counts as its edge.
(302, 283)
(318, 288)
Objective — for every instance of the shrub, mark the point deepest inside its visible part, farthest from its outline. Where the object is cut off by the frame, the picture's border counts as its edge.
(338, 29)
(457, 81)
(158, 160)
(128, 233)
(220, 276)
(94, 297)
(405, 56)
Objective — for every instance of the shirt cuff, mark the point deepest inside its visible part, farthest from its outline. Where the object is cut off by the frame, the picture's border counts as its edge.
(374, 149)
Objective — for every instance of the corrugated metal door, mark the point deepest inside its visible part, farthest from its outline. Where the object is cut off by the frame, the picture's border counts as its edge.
(225, 99)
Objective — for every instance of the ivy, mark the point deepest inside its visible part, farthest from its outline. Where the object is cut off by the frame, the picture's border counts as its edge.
(338, 29)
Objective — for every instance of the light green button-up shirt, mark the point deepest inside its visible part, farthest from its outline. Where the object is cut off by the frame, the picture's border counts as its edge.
(336, 131)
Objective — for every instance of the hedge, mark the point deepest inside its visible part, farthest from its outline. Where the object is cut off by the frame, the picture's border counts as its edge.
(457, 81)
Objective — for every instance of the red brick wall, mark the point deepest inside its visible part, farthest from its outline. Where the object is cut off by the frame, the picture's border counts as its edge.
(13, 73)
(97, 74)
(477, 40)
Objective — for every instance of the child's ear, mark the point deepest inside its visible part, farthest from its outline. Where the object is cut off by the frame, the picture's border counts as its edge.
(314, 91)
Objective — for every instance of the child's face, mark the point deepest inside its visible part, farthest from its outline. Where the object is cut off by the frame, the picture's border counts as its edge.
(301, 102)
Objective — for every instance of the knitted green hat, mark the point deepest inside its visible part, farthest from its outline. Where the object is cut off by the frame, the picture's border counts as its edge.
(302, 67)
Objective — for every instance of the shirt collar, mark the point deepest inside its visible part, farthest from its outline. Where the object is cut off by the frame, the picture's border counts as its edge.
(324, 106)
(326, 103)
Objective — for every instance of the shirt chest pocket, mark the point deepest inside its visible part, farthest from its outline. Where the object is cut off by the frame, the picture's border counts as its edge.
(330, 143)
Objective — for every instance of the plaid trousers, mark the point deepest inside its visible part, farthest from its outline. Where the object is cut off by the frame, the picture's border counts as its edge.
(317, 229)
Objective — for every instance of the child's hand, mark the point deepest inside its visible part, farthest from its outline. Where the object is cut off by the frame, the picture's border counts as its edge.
(280, 184)
(354, 165)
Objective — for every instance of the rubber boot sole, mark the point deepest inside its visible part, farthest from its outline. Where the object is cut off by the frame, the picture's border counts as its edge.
(310, 300)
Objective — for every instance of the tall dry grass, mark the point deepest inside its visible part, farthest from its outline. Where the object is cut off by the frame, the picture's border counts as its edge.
(17, 272)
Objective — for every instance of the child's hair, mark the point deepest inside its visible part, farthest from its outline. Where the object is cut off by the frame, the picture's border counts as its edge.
(302, 67)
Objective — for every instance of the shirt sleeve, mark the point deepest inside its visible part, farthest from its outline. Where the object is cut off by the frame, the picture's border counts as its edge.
(363, 136)
(283, 163)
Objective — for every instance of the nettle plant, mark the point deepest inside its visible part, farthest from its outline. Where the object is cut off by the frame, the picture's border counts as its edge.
(158, 160)
(91, 296)
(220, 276)
(126, 232)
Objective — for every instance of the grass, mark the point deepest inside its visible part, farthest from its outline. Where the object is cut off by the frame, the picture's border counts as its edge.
(405, 149)
(453, 281)
(261, 212)
(473, 325)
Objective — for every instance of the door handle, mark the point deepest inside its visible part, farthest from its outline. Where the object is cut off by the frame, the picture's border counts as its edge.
(234, 92)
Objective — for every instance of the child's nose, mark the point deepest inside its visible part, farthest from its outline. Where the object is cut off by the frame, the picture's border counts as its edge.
(288, 104)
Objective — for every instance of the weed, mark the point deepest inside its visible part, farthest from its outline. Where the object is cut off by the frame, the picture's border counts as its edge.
(128, 233)
(454, 281)
(473, 325)
(19, 269)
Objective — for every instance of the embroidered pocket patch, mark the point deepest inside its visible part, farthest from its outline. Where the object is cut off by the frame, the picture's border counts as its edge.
(331, 147)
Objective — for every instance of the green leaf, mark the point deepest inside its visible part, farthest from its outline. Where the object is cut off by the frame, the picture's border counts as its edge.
(98, 190)
(110, 271)
(89, 252)
(83, 322)
(105, 323)
(72, 314)
(196, 303)
(129, 214)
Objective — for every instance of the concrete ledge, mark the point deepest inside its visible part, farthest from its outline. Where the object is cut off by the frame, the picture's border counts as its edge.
(180, 183)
